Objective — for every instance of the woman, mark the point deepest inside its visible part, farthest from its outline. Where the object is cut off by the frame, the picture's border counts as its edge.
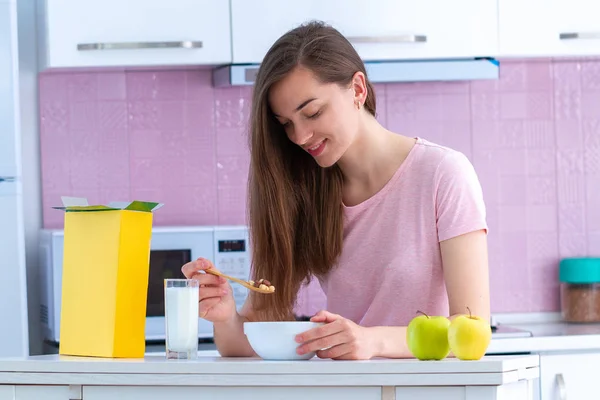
(389, 224)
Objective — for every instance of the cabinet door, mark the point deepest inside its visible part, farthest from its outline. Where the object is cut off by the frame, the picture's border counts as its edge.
(15, 341)
(226, 393)
(13, 288)
(8, 89)
(381, 30)
(549, 28)
(39, 392)
(570, 376)
(100, 33)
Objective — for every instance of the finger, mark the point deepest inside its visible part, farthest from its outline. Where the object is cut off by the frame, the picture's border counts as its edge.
(201, 264)
(319, 317)
(325, 316)
(204, 263)
(209, 280)
(322, 343)
(206, 305)
(189, 269)
(212, 291)
(318, 332)
(337, 352)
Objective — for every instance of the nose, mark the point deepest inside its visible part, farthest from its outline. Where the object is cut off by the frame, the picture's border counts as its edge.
(301, 135)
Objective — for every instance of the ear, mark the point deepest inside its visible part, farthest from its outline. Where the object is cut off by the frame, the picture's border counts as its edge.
(359, 88)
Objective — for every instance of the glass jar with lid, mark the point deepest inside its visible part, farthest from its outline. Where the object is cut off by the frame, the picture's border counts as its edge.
(580, 289)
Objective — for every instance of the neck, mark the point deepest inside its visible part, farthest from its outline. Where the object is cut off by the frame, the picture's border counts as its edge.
(375, 154)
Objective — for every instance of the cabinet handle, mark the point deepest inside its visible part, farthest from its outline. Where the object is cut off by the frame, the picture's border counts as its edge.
(579, 35)
(185, 44)
(388, 39)
(562, 389)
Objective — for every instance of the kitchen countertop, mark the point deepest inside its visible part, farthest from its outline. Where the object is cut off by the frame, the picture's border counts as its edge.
(560, 329)
(544, 337)
(552, 335)
(211, 370)
(548, 334)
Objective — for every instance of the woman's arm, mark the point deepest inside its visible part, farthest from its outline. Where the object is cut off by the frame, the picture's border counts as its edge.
(465, 264)
(466, 273)
(229, 336)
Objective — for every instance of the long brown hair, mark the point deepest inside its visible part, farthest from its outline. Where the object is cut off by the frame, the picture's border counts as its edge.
(295, 206)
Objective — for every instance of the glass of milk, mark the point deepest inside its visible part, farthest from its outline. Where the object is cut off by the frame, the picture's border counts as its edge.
(181, 318)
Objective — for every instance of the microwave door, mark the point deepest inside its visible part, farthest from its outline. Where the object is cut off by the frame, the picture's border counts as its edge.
(164, 264)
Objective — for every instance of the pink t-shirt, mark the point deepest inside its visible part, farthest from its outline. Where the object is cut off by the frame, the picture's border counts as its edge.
(391, 265)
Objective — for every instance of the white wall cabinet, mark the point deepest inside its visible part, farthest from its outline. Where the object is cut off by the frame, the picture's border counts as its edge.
(569, 376)
(115, 33)
(551, 28)
(383, 30)
(107, 33)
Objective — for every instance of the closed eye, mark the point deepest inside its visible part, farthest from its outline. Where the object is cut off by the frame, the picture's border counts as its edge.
(313, 116)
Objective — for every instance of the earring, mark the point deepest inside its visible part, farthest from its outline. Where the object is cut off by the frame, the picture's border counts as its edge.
(358, 104)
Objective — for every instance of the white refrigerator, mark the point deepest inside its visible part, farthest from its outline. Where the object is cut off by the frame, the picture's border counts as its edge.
(14, 335)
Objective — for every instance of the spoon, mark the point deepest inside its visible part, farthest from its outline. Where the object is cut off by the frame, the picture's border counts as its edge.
(236, 280)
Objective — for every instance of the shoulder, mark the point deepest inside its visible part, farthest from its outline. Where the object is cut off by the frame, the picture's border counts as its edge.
(450, 170)
(457, 192)
(438, 154)
(441, 161)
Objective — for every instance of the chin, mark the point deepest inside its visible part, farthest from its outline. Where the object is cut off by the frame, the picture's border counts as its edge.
(326, 162)
(325, 165)
(328, 158)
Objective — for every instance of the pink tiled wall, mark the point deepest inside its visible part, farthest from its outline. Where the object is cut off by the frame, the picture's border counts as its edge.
(533, 136)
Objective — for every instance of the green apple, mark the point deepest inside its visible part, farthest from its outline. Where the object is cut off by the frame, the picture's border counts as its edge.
(469, 336)
(427, 337)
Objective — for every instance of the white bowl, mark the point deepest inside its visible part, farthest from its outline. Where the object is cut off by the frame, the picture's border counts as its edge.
(275, 340)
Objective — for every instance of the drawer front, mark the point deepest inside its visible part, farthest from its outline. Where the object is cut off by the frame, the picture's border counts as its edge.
(227, 393)
(7, 392)
(136, 32)
(45, 392)
(386, 29)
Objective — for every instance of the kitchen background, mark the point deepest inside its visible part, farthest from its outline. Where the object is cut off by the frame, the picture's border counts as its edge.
(169, 136)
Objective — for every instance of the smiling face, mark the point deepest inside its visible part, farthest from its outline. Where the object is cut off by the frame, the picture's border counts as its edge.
(323, 119)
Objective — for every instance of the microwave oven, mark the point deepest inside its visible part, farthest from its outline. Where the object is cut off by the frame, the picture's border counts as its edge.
(171, 247)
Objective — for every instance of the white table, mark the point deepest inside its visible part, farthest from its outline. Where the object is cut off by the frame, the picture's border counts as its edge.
(54, 377)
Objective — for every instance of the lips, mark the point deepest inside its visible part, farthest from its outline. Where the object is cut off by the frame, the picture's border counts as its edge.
(317, 148)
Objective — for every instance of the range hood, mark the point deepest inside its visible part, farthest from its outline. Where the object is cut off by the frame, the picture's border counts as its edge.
(385, 71)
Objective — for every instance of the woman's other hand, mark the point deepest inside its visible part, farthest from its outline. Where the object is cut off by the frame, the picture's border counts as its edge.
(339, 338)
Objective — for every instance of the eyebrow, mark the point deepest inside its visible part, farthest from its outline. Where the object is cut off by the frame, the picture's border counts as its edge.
(301, 106)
